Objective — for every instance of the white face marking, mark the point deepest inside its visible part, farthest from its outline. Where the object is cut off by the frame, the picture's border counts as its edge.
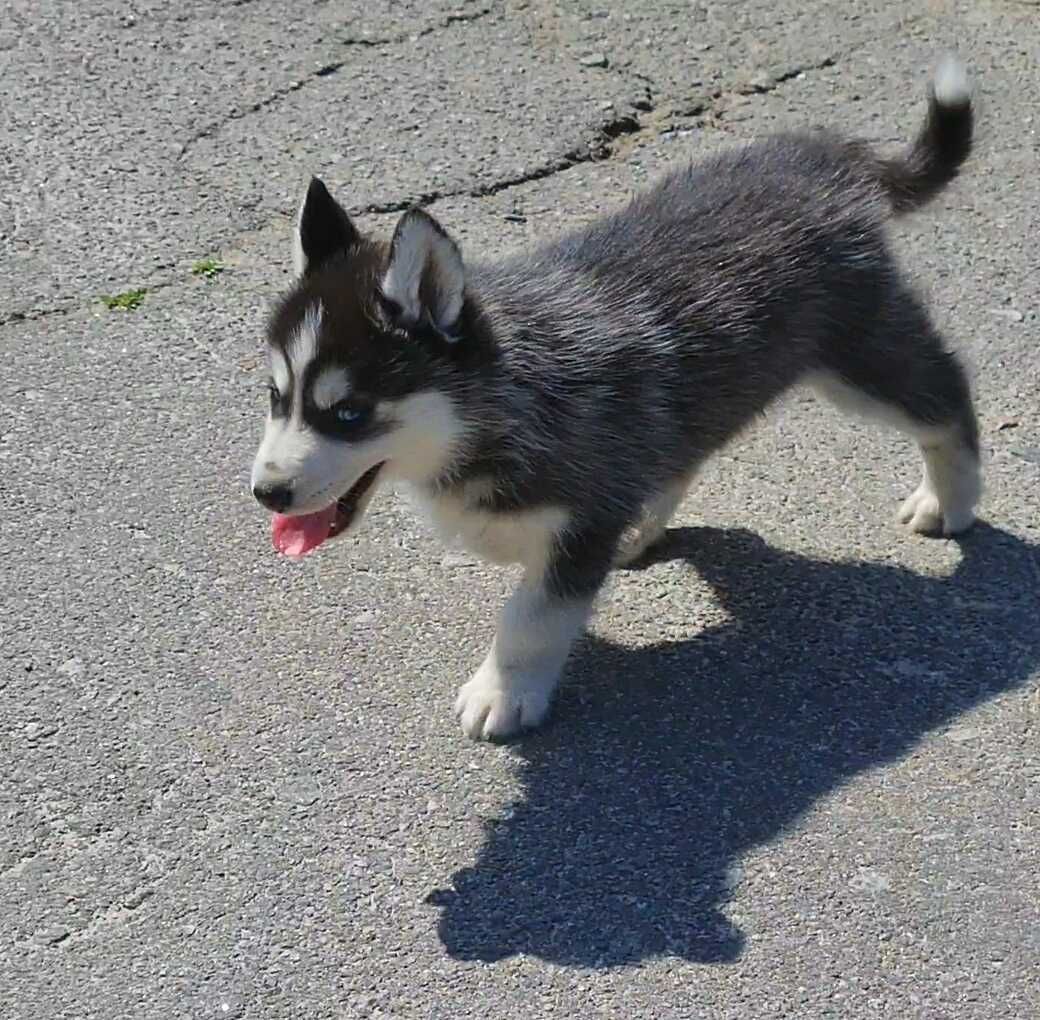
(302, 349)
(291, 451)
(429, 429)
(426, 430)
(280, 372)
(331, 386)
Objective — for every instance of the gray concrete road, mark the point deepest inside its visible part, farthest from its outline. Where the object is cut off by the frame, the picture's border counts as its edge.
(793, 771)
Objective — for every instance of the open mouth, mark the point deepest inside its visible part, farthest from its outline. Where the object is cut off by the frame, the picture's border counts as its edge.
(301, 534)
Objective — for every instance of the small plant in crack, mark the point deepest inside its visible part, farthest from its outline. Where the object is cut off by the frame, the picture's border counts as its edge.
(125, 302)
(207, 268)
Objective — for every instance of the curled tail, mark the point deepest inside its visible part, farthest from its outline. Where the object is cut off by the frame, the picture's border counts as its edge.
(941, 147)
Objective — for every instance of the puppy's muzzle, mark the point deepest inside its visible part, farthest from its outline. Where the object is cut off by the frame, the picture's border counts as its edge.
(276, 496)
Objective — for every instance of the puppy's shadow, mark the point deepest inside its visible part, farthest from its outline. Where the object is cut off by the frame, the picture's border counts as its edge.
(664, 765)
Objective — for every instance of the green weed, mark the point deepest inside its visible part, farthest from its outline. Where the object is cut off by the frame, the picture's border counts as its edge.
(207, 268)
(125, 302)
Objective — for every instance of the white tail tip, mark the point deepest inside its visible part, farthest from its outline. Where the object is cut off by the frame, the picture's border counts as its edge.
(950, 85)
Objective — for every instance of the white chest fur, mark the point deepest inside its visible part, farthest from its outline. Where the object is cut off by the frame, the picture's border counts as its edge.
(525, 537)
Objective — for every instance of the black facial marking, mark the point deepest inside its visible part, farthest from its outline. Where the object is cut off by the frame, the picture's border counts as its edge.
(330, 422)
(279, 400)
(351, 419)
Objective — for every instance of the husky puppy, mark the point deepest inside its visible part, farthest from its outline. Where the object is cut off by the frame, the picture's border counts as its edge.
(551, 409)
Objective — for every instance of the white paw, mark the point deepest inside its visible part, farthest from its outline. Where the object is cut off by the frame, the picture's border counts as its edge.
(493, 706)
(925, 515)
(636, 541)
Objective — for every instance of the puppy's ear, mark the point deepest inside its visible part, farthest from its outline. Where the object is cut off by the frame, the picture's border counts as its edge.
(323, 230)
(425, 277)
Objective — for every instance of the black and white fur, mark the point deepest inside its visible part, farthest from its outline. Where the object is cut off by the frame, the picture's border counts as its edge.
(552, 409)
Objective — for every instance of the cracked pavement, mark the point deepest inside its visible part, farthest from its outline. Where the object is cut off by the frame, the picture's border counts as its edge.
(793, 769)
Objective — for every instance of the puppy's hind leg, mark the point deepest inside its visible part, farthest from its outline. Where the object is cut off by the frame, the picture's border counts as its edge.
(915, 384)
(944, 502)
(651, 526)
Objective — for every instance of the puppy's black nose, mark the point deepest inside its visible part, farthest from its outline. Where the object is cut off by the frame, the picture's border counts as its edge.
(274, 496)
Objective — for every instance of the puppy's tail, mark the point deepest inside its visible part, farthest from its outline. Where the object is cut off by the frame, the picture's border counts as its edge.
(941, 147)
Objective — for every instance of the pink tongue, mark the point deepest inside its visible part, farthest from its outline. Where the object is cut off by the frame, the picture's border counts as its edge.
(297, 536)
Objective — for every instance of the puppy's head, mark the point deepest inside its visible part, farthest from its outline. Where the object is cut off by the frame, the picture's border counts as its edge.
(363, 352)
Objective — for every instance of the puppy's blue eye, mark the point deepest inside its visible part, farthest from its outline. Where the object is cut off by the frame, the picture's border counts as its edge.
(349, 414)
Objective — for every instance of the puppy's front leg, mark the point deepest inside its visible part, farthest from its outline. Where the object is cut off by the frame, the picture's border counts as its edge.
(514, 685)
(539, 624)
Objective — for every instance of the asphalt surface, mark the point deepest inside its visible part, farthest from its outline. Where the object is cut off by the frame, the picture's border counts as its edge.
(793, 770)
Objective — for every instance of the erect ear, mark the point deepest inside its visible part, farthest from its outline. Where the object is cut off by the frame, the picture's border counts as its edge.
(323, 230)
(425, 275)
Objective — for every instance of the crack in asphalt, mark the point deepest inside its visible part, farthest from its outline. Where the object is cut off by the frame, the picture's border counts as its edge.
(36, 313)
(326, 70)
(599, 149)
(613, 137)
(756, 88)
